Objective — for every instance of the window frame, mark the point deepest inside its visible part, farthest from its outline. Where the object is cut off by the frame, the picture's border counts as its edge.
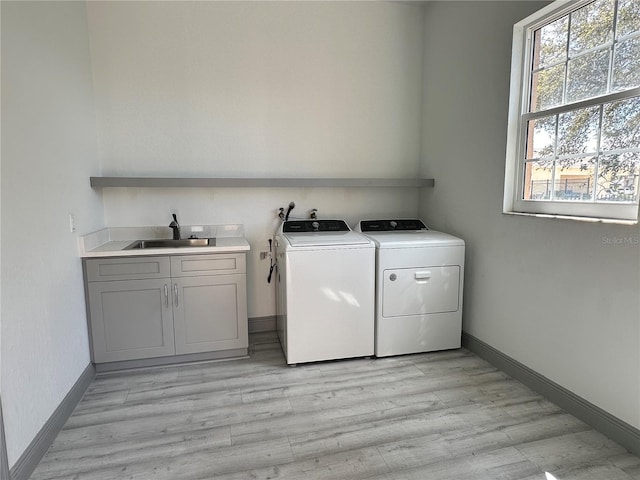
(518, 117)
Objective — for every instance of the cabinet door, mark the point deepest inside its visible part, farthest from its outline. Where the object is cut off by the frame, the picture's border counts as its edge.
(210, 313)
(131, 319)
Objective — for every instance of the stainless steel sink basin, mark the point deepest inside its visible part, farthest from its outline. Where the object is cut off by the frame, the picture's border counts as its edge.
(187, 242)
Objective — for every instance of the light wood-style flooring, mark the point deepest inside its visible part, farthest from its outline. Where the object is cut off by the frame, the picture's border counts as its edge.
(443, 415)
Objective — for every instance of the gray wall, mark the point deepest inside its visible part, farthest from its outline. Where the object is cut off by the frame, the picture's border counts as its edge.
(559, 296)
(48, 153)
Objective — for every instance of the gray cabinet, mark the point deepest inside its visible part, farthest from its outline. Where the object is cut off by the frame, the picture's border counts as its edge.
(130, 319)
(149, 307)
(207, 313)
(209, 302)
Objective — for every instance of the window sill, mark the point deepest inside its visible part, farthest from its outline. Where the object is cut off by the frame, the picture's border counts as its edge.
(575, 218)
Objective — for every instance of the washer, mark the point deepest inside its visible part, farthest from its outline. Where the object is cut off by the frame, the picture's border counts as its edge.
(419, 284)
(325, 291)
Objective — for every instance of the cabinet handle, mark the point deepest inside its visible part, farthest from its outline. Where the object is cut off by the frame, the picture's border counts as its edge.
(175, 291)
(166, 295)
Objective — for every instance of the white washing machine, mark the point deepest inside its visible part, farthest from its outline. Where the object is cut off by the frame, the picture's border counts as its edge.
(419, 283)
(325, 291)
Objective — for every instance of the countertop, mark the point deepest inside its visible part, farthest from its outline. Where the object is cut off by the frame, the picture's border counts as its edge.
(111, 242)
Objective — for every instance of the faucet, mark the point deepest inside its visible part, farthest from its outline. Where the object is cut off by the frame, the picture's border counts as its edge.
(175, 226)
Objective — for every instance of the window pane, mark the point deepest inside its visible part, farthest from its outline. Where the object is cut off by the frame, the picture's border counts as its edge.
(628, 17)
(586, 160)
(550, 43)
(575, 179)
(618, 177)
(621, 125)
(546, 88)
(541, 137)
(591, 25)
(587, 76)
(538, 180)
(626, 65)
(578, 131)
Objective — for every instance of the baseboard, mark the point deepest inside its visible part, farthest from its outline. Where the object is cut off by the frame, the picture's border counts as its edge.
(617, 430)
(221, 355)
(29, 460)
(4, 461)
(262, 324)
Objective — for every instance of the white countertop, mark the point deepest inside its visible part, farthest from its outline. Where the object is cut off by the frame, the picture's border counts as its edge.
(111, 242)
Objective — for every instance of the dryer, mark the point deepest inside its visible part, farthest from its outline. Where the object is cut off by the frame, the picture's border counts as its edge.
(419, 286)
(325, 291)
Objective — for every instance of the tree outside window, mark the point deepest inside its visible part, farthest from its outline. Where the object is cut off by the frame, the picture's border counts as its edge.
(580, 120)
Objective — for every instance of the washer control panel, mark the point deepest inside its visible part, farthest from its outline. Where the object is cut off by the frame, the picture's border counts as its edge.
(392, 225)
(291, 226)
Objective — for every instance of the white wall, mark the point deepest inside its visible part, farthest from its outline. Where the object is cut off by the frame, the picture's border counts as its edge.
(48, 152)
(3, 447)
(251, 89)
(257, 210)
(559, 296)
(286, 89)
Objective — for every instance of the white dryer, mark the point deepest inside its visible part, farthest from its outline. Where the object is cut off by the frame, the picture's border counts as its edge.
(419, 285)
(325, 291)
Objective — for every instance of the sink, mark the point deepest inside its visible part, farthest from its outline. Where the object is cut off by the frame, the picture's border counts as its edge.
(187, 242)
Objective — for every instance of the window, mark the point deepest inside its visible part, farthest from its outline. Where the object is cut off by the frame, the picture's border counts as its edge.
(573, 146)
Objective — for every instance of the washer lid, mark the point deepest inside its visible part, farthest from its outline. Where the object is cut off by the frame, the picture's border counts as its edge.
(317, 239)
(413, 239)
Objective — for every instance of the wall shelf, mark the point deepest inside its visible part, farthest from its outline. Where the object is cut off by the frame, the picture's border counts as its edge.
(211, 182)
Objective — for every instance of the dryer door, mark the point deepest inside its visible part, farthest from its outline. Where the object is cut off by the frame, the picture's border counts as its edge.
(416, 291)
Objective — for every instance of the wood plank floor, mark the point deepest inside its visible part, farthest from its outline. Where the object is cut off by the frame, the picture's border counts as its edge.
(444, 415)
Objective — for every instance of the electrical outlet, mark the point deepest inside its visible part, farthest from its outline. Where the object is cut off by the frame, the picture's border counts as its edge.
(264, 255)
(72, 223)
